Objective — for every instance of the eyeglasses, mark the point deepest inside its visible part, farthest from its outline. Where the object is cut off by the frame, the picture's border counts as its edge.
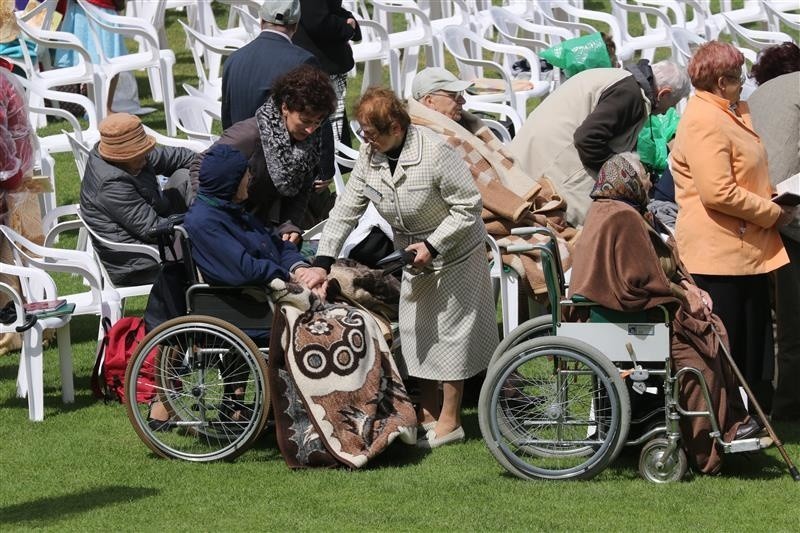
(369, 137)
(453, 96)
(742, 78)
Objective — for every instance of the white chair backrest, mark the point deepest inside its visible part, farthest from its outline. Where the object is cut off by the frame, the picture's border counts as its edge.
(195, 115)
(80, 151)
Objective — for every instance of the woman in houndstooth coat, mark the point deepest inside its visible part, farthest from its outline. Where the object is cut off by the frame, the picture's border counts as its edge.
(448, 327)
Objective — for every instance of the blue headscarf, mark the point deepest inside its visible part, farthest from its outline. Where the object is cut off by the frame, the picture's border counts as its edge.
(221, 171)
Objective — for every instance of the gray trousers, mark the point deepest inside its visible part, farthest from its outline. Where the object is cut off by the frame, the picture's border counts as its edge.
(786, 402)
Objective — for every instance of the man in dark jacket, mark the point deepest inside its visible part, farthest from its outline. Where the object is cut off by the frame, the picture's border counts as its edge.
(249, 73)
(229, 245)
(121, 198)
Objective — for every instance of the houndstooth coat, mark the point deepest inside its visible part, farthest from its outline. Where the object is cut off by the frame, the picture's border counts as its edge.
(448, 327)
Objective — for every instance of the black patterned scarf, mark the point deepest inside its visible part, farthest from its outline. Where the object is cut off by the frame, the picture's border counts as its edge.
(290, 165)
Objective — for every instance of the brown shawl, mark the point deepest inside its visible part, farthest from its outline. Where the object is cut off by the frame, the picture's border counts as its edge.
(510, 197)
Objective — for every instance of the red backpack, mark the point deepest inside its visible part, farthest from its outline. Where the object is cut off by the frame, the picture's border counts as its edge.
(113, 354)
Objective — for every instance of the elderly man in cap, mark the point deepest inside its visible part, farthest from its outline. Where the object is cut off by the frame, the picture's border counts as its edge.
(121, 198)
(591, 117)
(249, 73)
(510, 196)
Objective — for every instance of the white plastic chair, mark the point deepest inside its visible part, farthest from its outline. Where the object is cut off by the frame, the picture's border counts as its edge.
(98, 300)
(159, 63)
(683, 44)
(82, 72)
(373, 51)
(418, 34)
(37, 286)
(753, 39)
(776, 15)
(207, 52)
(194, 117)
(467, 48)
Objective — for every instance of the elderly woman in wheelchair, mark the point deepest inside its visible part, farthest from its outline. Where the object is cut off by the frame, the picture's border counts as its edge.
(556, 403)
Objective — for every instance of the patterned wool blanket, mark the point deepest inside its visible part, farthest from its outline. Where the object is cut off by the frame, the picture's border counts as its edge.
(337, 395)
(510, 197)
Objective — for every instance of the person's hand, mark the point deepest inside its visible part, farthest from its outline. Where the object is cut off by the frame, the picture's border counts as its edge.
(698, 301)
(310, 277)
(321, 291)
(422, 257)
(293, 237)
(320, 185)
(788, 213)
(351, 22)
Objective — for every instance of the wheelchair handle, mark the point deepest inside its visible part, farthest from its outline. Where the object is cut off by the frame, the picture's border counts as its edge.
(166, 227)
(519, 248)
(533, 230)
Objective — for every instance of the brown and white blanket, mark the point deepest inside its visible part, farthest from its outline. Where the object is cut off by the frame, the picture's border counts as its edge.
(338, 397)
(510, 197)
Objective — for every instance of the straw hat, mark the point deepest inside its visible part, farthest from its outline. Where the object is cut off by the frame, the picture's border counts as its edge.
(8, 21)
(123, 139)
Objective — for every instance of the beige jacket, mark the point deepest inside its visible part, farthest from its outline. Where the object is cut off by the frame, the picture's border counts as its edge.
(545, 145)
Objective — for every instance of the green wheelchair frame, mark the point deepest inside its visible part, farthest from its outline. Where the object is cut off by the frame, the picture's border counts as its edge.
(556, 401)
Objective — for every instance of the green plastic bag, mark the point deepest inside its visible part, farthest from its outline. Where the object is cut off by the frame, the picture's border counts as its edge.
(578, 54)
(653, 139)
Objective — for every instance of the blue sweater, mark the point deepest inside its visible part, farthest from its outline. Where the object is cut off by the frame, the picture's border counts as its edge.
(232, 247)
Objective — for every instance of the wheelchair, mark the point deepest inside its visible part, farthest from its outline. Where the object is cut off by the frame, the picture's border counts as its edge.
(210, 376)
(562, 399)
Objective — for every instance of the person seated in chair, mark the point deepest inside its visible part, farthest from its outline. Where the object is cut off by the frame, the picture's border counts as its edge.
(622, 263)
(121, 198)
(230, 246)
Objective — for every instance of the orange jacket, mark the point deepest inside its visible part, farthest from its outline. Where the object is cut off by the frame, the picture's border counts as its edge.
(725, 218)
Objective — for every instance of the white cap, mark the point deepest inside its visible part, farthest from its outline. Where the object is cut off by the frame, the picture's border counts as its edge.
(281, 12)
(432, 79)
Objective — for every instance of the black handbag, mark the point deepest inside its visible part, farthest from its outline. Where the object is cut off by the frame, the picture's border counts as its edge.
(167, 300)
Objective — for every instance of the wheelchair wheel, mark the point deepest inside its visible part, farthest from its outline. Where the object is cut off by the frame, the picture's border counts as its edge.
(540, 326)
(212, 380)
(554, 408)
(657, 467)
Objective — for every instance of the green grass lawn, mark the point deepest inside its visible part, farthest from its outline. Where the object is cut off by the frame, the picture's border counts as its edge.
(84, 468)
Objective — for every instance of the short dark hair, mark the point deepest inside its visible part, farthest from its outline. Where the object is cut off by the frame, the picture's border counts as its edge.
(775, 61)
(380, 107)
(305, 89)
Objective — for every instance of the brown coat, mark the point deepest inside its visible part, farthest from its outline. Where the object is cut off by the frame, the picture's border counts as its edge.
(725, 222)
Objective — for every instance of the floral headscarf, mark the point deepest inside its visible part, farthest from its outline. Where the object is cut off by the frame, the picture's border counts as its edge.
(621, 179)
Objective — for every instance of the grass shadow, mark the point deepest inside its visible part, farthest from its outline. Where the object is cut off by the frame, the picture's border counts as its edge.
(55, 508)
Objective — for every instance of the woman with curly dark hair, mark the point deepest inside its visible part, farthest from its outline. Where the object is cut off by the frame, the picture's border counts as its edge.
(775, 61)
(285, 150)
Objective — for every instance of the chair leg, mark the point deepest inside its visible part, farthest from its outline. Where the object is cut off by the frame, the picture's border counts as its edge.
(32, 359)
(65, 364)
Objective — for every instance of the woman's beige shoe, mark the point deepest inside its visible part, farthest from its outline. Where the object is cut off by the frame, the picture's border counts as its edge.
(432, 441)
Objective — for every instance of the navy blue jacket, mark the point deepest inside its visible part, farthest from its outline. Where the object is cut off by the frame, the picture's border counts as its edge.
(249, 73)
(233, 248)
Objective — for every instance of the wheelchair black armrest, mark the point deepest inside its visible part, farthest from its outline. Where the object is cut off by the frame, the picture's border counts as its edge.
(166, 227)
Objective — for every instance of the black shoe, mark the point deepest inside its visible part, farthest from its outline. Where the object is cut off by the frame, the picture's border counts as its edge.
(749, 429)
(160, 426)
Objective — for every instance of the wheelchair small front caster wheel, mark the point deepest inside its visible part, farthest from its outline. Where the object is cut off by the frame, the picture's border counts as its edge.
(658, 467)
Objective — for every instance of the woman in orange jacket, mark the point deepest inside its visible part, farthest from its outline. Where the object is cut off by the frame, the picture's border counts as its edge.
(727, 224)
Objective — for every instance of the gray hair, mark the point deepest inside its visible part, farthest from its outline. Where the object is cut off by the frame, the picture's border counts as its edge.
(669, 74)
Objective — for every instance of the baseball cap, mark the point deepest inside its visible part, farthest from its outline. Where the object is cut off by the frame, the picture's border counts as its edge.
(280, 12)
(436, 79)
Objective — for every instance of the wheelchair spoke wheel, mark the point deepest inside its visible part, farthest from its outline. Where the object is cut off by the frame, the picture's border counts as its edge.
(554, 408)
(658, 467)
(540, 326)
(210, 378)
